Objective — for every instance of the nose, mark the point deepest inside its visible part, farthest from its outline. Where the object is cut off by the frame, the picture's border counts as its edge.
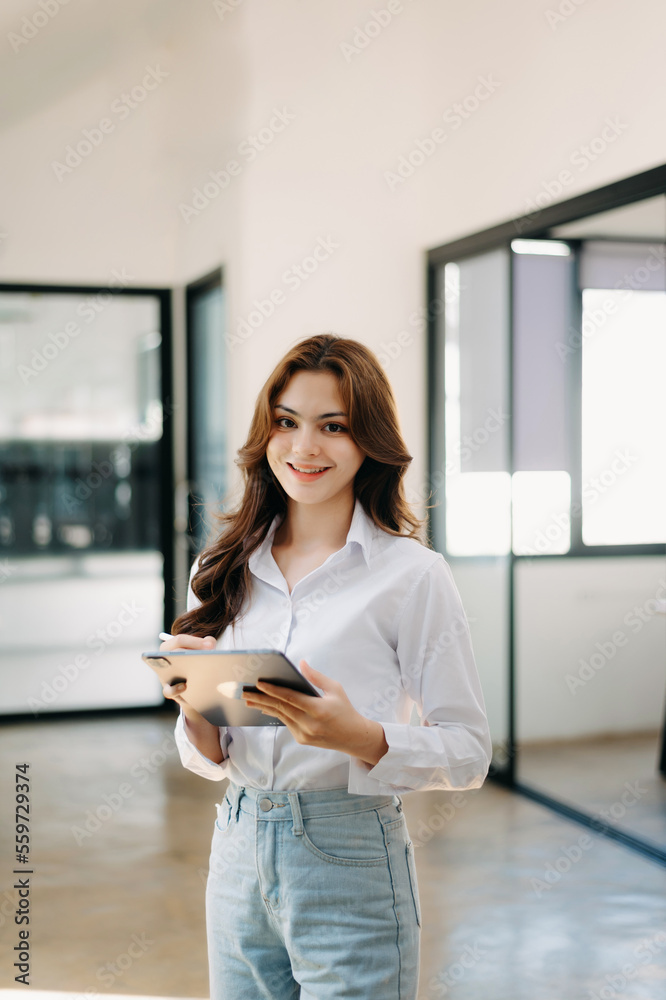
(306, 443)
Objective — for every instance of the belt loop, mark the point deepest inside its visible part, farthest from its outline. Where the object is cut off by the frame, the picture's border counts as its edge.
(297, 828)
(238, 792)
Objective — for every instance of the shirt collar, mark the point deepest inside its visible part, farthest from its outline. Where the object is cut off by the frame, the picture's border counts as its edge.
(361, 531)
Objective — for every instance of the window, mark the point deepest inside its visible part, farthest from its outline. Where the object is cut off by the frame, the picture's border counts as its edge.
(623, 425)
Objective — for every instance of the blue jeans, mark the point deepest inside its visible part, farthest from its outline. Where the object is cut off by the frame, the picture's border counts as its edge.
(313, 895)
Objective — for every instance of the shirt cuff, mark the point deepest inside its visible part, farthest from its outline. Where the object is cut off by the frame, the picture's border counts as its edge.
(194, 760)
(398, 771)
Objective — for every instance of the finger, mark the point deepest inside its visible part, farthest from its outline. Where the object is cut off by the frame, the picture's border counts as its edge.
(173, 690)
(286, 695)
(283, 711)
(316, 677)
(288, 705)
(185, 641)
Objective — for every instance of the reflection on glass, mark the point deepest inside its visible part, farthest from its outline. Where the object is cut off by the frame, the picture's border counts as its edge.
(478, 514)
(80, 422)
(623, 431)
(549, 248)
(67, 374)
(541, 503)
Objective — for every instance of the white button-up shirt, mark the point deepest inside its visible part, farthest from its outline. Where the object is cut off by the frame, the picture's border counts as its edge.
(384, 618)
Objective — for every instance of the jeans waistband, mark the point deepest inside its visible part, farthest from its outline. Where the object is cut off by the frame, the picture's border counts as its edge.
(306, 804)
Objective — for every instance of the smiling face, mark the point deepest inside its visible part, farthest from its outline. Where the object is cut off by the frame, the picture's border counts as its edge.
(311, 432)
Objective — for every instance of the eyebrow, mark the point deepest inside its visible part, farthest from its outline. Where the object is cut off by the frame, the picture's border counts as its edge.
(321, 416)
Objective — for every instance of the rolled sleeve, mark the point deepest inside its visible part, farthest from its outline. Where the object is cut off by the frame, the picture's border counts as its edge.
(194, 760)
(451, 749)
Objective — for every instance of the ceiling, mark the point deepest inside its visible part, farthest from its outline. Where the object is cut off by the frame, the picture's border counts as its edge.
(77, 44)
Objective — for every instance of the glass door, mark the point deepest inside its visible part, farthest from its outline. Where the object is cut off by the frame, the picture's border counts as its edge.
(84, 513)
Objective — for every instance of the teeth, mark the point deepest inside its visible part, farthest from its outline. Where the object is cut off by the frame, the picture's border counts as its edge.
(310, 471)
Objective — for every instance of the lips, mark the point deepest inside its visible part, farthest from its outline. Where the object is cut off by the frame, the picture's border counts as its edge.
(307, 475)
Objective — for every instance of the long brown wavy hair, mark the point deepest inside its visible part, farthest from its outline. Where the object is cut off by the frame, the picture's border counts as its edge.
(222, 581)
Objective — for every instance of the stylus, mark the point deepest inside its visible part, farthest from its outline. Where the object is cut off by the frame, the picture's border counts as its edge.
(165, 635)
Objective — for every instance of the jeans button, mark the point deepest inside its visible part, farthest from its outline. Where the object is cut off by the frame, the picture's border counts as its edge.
(265, 805)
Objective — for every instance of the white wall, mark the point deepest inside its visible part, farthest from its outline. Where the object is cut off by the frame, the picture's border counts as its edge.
(556, 84)
(355, 115)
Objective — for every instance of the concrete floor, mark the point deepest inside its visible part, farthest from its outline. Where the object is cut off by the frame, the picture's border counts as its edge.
(515, 904)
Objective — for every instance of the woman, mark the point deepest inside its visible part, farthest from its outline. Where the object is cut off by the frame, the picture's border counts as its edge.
(312, 888)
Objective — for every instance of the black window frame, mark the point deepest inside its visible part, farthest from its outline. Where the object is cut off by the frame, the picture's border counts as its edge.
(537, 226)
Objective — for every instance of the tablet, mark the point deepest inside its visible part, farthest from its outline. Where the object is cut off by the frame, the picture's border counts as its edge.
(216, 678)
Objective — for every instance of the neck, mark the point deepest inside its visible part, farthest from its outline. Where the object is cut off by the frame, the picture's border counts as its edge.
(318, 525)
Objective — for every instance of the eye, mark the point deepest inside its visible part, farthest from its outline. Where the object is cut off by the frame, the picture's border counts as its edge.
(339, 427)
(279, 419)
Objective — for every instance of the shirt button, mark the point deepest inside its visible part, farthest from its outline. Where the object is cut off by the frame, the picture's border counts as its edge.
(265, 805)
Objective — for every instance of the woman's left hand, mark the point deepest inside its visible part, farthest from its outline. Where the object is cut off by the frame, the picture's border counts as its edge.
(330, 721)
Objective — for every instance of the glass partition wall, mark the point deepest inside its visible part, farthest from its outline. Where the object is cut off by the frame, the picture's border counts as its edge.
(85, 495)
(470, 478)
(548, 467)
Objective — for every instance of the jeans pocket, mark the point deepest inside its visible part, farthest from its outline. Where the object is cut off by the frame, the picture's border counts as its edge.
(411, 869)
(346, 839)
